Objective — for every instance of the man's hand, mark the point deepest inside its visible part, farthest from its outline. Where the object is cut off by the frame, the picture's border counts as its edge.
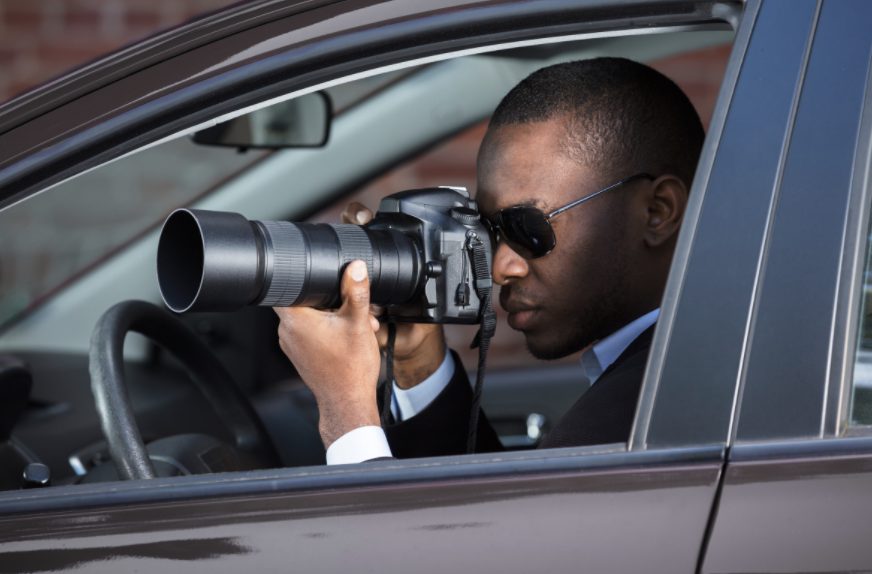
(419, 347)
(337, 355)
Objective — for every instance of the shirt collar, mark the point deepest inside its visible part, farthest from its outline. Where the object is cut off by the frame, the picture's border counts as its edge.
(599, 357)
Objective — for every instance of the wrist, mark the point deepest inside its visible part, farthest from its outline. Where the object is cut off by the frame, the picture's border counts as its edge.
(337, 418)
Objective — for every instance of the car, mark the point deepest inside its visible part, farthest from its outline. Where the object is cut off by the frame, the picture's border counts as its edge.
(751, 449)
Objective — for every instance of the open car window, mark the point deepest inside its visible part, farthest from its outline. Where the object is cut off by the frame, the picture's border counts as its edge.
(102, 245)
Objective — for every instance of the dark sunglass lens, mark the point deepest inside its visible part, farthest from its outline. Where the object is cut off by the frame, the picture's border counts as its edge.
(527, 231)
(493, 231)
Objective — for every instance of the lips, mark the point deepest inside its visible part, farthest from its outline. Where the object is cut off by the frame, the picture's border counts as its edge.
(521, 313)
(521, 320)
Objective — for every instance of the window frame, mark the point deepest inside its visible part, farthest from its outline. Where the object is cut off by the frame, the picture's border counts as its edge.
(803, 400)
(64, 160)
(857, 247)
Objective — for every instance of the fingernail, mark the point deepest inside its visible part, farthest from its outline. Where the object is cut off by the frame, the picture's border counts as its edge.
(360, 217)
(357, 269)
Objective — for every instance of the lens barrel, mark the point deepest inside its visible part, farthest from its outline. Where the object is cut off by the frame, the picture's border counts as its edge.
(221, 261)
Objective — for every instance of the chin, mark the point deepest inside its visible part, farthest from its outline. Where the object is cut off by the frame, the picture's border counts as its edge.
(548, 350)
(551, 345)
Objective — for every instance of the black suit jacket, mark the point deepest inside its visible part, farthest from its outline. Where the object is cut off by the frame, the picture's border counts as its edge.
(603, 414)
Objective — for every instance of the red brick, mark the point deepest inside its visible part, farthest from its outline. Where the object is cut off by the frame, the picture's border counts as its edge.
(193, 8)
(140, 19)
(22, 16)
(699, 74)
(81, 17)
(7, 56)
(62, 55)
(57, 36)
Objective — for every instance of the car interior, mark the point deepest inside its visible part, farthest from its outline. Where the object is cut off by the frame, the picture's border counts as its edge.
(77, 249)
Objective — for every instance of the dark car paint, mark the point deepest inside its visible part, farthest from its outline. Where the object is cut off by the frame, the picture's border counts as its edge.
(802, 506)
(551, 508)
(807, 229)
(696, 379)
(796, 506)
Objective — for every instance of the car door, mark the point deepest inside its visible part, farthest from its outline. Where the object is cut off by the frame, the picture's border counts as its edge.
(642, 506)
(796, 491)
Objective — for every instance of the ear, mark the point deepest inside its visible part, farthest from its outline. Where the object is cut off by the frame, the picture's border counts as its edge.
(667, 200)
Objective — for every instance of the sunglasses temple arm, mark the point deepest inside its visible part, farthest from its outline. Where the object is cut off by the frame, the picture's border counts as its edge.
(578, 202)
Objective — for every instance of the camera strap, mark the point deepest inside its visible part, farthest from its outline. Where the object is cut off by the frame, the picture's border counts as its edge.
(483, 288)
(388, 388)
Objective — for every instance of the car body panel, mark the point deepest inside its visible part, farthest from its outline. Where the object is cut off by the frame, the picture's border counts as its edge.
(708, 298)
(802, 506)
(523, 510)
(798, 285)
(797, 505)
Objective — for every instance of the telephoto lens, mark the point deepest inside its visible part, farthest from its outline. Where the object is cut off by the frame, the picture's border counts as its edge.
(221, 261)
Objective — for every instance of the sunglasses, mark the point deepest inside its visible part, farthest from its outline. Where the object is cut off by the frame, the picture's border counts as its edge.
(527, 230)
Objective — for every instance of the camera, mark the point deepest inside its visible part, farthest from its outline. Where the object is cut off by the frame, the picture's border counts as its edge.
(426, 250)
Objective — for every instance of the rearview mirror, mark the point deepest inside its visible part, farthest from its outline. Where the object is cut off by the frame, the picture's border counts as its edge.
(300, 122)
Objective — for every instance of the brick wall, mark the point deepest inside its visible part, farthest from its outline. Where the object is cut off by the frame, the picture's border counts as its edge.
(40, 39)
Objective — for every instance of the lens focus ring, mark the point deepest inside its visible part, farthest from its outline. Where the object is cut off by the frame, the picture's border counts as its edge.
(354, 244)
(289, 263)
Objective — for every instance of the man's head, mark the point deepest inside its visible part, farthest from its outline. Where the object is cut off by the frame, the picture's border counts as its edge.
(561, 134)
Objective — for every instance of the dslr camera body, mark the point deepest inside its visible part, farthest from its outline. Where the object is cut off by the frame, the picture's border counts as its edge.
(427, 252)
(445, 225)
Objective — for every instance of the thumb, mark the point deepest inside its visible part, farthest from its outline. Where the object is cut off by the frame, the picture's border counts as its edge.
(355, 291)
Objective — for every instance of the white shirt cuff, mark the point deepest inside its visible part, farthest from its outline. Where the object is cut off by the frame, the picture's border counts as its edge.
(410, 402)
(358, 445)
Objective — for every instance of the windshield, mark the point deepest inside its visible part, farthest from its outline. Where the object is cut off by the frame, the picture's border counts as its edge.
(54, 236)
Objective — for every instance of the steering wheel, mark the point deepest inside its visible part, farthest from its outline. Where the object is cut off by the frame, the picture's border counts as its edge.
(106, 366)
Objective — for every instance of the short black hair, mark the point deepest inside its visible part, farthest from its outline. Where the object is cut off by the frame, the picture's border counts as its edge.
(622, 117)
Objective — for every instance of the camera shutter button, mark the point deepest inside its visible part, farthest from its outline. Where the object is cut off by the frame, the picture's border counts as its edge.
(464, 215)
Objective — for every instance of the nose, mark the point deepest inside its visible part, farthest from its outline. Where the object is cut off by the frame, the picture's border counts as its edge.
(508, 265)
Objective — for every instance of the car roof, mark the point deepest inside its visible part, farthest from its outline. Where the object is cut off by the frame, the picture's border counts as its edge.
(163, 45)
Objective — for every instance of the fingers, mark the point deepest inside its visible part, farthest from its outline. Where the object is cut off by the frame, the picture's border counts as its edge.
(355, 292)
(356, 213)
(355, 305)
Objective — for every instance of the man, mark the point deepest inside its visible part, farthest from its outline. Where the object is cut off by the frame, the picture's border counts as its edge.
(584, 174)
